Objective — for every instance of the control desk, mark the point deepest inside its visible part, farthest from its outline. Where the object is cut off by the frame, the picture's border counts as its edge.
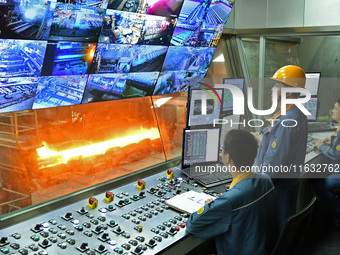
(124, 220)
(117, 217)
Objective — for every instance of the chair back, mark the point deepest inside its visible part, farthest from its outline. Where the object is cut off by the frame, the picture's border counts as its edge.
(294, 231)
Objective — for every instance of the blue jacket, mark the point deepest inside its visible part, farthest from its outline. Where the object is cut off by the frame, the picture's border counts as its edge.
(242, 220)
(284, 146)
(333, 152)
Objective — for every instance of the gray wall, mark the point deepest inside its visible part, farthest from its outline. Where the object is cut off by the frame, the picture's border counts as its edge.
(247, 14)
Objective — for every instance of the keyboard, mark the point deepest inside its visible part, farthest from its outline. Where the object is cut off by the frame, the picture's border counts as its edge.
(320, 127)
(209, 180)
(310, 143)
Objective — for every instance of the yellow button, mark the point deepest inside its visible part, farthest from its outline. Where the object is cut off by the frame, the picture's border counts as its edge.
(274, 144)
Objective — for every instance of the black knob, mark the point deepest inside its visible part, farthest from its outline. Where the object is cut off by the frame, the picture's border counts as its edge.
(105, 236)
(84, 246)
(101, 247)
(82, 210)
(98, 229)
(172, 230)
(37, 227)
(141, 194)
(68, 215)
(152, 242)
(178, 192)
(138, 249)
(118, 229)
(121, 202)
(3, 240)
(45, 242)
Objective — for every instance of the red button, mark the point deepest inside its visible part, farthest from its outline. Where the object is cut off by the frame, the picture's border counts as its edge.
(177, 228)
(182, 225)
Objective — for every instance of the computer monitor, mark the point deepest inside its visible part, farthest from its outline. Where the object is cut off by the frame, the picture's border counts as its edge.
(198, 116)
(228, 97)
(312, 83)
(312, 107)
(200, 146)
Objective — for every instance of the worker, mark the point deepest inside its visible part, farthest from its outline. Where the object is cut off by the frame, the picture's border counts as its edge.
(284, 146)
(243, 220)
(331, 149)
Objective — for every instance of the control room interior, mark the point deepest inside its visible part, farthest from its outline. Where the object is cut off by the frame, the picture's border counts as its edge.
(53, 158)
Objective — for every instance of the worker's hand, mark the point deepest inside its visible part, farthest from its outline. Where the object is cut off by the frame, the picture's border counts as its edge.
(327, 141)
(318, 143)
(208, 201)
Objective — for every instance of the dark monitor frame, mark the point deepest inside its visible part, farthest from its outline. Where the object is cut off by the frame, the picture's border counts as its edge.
(188, 108)
(230, 112)
(317, 110)
(317, 92)
(183, 166)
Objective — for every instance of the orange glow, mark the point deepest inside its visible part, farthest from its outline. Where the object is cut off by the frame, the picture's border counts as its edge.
(96, 148)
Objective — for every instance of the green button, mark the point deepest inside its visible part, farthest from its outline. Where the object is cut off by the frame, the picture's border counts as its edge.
(112, 222)
(95, 222)
(120, 250)
(164, 191)
(36, 238)
(168, 224)
(126, 200)
(110, 207)
(80, 228)
(163, 179)
(135, 196)
(156, 230)
(5, 250)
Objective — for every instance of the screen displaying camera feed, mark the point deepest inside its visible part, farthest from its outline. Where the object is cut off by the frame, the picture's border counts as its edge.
(76, 23)
(113, 58)
(21, 58)
(68, 58)
(178, 81)
(165, 8)
(132, 28)
(201, 23)
(26, 19)
(90, 3)
(17, 94)
(59, 91)
(188, 58)
(104, 87)
(204, 108)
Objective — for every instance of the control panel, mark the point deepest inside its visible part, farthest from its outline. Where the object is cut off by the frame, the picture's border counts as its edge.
(131, 219)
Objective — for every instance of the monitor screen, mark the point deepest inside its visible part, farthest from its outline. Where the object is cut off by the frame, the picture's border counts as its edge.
(188, 58)
(165, 8)
(115, 58)
(312, 83)
(197, 114)
(104, 87)
(230, 122)
(201, 23)
(17, 94)
(134, 28)
(312, 107)
(200, 146)
(59, 91)
(68, 58)
(91, 3)
(228, 97)
(21, 58)
(77, 23)
(26, 19)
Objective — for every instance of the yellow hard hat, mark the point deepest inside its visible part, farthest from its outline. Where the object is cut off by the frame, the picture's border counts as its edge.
(290, 75)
